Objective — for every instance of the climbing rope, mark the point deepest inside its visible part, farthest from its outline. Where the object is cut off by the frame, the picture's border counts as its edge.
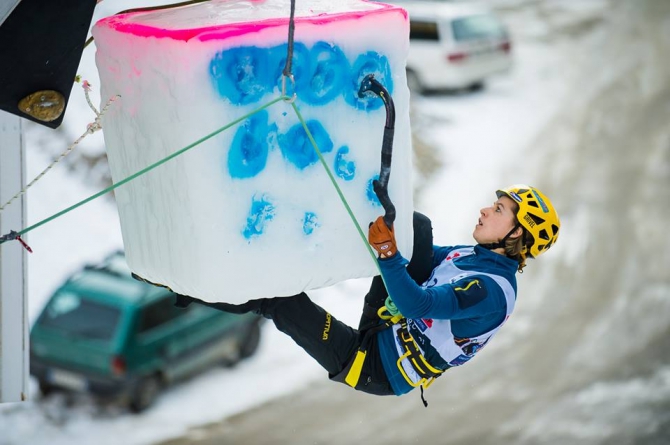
(287, 71)
(343, 199)
(16, 235)
(289, 51)
(90, 129)
(143, 171)
(288, 74)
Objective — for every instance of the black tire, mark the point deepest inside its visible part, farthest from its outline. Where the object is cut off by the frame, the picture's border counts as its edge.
(477, 86)
(251, 341)
(247, 346)
(45, 388)
(414, 83)
(144, 394)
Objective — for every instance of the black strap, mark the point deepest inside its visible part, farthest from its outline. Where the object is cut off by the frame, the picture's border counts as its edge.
(423, 399)
(415, 356)
(501, 243)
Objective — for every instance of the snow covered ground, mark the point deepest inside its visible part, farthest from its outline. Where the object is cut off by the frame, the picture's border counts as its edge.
(492, 127)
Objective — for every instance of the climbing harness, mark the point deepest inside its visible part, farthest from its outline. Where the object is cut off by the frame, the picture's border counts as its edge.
(424, 370)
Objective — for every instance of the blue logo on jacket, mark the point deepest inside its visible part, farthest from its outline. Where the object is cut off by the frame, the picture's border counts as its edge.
(420, 324)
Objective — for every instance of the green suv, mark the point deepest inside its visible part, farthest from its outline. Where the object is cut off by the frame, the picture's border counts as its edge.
(105, 333)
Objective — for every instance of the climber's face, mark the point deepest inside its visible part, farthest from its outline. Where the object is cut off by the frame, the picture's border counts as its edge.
(496, 221)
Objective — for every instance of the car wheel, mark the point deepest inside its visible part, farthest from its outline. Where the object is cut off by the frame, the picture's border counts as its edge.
(145, 394)
(45, 388)
(251, 341)
(477, 86)
(413, 83)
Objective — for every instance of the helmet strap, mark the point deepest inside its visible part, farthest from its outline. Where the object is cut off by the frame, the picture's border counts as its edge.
(501, 243)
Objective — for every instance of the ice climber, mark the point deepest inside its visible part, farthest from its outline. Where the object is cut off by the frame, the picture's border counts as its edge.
(444, 305)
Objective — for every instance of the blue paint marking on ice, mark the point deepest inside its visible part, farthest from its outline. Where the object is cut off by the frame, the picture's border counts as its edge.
(297, 148)
(329, 69)
(322, 73)
(368, 63)
(309, 223)
(262, 211)
(245, 74)
(370, 192)
(300, 67)
(344, 168)
(241, 74)
(248, 152)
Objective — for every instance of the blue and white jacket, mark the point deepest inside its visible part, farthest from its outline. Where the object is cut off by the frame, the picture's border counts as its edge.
(469, 295)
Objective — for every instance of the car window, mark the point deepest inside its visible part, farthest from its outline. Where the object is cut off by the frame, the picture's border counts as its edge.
(158, 313)
(78, 316)
(423, 30)
(117, 264)
(482, 26)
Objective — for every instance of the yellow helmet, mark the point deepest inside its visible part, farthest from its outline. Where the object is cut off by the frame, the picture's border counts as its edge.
(536, 214)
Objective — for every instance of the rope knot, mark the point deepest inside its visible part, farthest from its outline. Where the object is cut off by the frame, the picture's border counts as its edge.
(94, 126)
(14, 235)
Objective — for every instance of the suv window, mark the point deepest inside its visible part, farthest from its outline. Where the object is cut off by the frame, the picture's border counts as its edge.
(81, 317)
(116, 263)
(159, 313)
(477, 27)
(423, 30)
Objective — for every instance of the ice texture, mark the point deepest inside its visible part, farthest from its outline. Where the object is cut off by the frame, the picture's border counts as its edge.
(251, 212)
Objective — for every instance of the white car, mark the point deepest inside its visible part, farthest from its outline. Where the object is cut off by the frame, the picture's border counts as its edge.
(454, 45)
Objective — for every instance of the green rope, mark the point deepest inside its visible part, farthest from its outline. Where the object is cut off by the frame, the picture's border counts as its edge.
(203, 139)
(145, 170)
(337, 188)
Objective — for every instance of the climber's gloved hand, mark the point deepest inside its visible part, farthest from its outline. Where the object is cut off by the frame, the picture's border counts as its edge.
(382, 238)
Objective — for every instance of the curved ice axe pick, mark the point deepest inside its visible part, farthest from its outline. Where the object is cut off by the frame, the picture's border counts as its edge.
(381, 186)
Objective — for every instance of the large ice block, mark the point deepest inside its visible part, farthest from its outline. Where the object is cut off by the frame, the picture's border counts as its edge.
(251, 212)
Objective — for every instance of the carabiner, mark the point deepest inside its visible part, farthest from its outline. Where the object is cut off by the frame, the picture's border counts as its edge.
(283, 88)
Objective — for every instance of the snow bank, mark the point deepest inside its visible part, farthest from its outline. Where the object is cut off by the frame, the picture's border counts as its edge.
(251, 212)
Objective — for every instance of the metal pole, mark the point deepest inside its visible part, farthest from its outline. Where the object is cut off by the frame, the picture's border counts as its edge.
(14, 329)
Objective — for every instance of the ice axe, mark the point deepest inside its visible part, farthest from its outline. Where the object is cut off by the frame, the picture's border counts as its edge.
(380, 186)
